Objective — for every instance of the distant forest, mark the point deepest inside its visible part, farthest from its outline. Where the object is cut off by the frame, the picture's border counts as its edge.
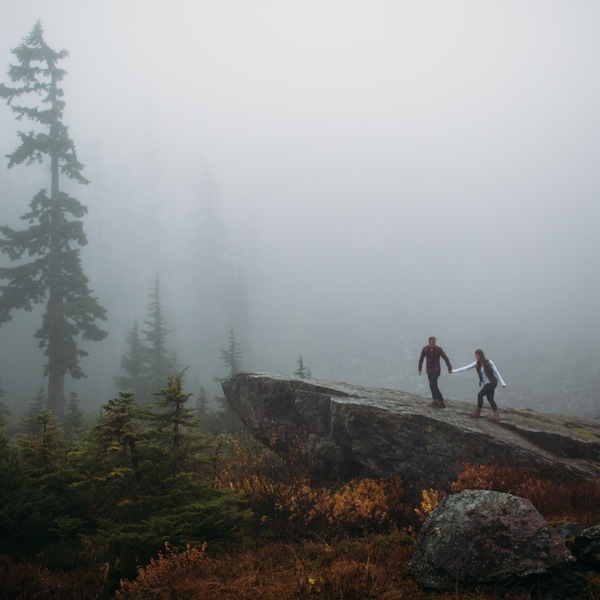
(117, 300)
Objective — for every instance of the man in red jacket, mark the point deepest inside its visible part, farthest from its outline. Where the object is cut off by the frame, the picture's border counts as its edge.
(433, 353)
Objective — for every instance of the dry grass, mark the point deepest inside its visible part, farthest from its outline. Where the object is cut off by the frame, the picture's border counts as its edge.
(29, 581)
(352, 570)
(356, 539)
(372, 568)
(343, 565)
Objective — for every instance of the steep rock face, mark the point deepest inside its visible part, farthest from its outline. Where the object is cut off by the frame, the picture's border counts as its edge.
(347, 430)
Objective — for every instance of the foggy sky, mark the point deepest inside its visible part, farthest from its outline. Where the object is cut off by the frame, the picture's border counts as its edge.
(394, 169)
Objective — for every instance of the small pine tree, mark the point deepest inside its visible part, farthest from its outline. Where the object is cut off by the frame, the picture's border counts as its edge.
(133, 363)
(44, 447)
(232, 356)
(302, 371)
(175, 423)
(73, 423)
(119, 430)
(115, 449)
(36, 406)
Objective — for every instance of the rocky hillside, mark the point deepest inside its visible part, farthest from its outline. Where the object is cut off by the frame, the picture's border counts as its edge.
(346, 431)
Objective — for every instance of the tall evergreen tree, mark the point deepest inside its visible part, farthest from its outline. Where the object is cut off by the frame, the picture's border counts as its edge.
(159, 361)
(202, 402)
(4, 410)
(55, 234)
(133, 363)
(148, 361)
(216, 278)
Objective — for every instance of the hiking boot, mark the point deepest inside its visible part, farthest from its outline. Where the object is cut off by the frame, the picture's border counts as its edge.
(495, 417)
(476, 413)
(441, 405)
(434, 404)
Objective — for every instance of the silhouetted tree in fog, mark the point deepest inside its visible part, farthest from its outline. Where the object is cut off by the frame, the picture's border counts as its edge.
(44, 446)
(148, 361)
(232, 356)
(202, 402)
(210, 259)
(4, 410)
(159, 361)
(133, 363)
(216, 278)
(73, 423)
(302, 371)
(55, 234)
(36, 406)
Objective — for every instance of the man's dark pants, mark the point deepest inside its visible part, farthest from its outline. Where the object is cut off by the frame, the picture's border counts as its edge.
(433, 385)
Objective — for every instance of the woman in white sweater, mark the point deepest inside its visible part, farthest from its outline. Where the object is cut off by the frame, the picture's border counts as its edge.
(489, 376)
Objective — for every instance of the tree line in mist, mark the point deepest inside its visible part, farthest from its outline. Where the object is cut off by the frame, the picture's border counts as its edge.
(46, 255)
(121, 312)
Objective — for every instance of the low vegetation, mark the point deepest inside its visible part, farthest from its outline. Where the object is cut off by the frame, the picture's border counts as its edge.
(144, 505)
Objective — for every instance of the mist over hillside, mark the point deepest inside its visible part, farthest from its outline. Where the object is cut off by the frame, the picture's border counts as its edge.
(332, 180)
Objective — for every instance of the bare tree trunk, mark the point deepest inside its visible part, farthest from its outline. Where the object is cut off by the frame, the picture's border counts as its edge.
(56, 376)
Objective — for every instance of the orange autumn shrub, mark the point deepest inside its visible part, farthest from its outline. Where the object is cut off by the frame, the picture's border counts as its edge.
(430, 498)
(171, 570)
(495, 477)
(360, 501)
(576, 501)
(368, 567)
(284, 498)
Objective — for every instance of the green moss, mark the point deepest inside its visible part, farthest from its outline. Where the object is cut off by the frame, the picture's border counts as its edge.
(581, 431)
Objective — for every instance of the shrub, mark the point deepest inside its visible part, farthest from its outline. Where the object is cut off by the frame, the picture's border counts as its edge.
(365, 568)
(18, 581)
(577, 501)
(286, 500)
(171, 571)
(429, 500)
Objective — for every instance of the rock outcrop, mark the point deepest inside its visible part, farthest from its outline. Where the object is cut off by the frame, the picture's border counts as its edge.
(586, 547)
(346, 431)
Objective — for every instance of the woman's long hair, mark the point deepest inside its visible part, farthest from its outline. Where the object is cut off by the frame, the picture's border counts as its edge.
(483, 362)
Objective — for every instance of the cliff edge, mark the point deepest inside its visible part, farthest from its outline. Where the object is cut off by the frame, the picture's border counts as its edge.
(346, 431)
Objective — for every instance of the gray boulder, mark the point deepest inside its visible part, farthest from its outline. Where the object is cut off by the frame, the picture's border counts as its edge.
(350, 431)
(479, 537)
(586, 547)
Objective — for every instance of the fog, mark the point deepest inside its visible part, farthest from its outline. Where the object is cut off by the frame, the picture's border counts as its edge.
(377, 172)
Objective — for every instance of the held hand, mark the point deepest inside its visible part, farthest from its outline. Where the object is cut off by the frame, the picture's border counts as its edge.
(419, 373)
(449, 371)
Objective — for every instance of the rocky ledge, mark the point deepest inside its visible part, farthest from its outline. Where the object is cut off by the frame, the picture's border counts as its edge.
(347, 431)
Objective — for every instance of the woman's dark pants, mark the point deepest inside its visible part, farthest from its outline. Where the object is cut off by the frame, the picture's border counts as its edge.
(487, 390)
